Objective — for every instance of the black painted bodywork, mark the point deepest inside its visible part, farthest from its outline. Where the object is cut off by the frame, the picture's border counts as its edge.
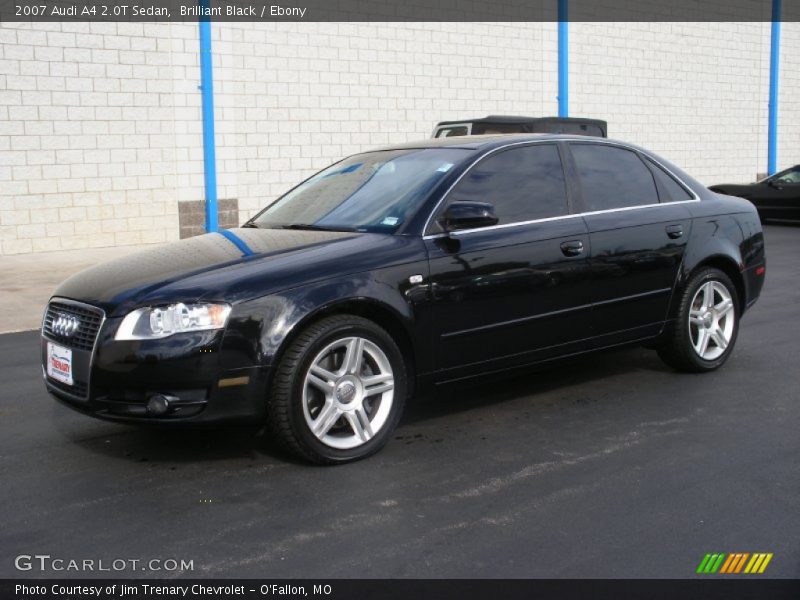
(488, 300)
(772, 198)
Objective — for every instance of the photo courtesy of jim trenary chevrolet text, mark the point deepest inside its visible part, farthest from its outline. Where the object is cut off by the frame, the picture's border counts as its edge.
(353, 299)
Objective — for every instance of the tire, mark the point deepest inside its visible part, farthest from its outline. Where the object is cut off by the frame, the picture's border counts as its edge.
(338, 413)
(683, 348)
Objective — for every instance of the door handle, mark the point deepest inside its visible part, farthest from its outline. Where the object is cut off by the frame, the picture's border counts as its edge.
(674, 231)
(572, 248)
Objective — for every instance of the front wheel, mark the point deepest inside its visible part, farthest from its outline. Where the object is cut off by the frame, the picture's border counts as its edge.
(706, 324)
(339, 390)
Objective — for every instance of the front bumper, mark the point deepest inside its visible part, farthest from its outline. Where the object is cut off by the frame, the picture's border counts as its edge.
(203, 380)
(221, 405)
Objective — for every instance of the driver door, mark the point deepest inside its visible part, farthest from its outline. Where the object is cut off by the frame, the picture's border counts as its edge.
(515, 292)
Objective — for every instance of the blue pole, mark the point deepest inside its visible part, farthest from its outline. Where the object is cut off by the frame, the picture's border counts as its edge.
(563, 58)
(774, 70)
(207, 95)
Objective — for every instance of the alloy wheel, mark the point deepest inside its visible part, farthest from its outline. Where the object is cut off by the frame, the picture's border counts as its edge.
(348, 392)
(711, 320)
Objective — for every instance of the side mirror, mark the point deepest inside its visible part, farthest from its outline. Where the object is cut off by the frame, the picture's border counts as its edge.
(775, 183)
(468, 215)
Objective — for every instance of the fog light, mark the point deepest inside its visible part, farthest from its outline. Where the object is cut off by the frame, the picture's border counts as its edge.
(157, 405)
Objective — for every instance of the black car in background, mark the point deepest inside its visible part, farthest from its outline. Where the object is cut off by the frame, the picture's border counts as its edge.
(401, 268)
(775, 197)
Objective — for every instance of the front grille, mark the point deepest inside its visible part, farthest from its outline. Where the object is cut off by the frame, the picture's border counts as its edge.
(84, 336)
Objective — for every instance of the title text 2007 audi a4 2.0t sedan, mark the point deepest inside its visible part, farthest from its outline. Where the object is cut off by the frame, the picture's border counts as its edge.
(406, 266)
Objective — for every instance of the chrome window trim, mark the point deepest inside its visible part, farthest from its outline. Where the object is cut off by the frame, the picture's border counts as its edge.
(461, 232)
(431, 236)
(94, 346)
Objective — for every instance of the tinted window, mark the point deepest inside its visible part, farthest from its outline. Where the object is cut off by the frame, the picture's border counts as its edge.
(523, 184)
(669, 190)
(376, 191)
(612, 177)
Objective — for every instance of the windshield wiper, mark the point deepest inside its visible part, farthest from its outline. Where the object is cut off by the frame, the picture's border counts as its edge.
(250, 225)
(311, 227)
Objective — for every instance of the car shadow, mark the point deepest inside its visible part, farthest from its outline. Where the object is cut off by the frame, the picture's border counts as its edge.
(491, 390)
(243, 446)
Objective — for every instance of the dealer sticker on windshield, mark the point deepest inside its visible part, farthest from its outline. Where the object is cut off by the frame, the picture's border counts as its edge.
(59, 363)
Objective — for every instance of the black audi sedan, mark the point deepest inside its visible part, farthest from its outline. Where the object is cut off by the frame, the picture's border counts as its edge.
(775, 197)
(402, 268)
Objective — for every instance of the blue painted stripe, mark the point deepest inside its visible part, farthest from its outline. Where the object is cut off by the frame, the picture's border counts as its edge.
(774, 71)
(563, 58)
(207, 95)
(236, 241)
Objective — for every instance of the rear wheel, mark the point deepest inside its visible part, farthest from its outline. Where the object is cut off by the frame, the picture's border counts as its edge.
(339, 390)
(706, 324)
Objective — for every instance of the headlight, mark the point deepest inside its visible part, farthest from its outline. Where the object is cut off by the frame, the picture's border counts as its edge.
(152, 323)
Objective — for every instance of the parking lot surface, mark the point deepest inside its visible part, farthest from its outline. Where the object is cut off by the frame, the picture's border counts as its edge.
(610, 465)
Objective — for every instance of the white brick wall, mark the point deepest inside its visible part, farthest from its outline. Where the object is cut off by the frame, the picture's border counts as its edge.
(292, 98)
(694, 92)
(90, 111)
(789, 103)
(101, 135)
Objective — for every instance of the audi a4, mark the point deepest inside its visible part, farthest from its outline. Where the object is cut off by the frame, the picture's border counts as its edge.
(404, 268)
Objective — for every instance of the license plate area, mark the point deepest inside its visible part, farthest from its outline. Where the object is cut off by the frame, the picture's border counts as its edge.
(59, 364)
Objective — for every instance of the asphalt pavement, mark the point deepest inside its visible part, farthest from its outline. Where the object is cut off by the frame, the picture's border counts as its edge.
(608, 466)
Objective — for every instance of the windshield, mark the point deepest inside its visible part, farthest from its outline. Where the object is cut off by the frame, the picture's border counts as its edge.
(375, 192)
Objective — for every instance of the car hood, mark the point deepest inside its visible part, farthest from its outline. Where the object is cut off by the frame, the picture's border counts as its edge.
(232, 265)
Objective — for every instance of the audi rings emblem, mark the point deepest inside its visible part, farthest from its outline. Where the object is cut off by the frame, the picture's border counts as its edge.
(65, 325)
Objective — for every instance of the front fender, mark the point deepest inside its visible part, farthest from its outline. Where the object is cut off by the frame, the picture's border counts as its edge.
(259, 329)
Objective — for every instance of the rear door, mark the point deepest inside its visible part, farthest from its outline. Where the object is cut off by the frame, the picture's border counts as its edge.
(638, 227)
(517, 291)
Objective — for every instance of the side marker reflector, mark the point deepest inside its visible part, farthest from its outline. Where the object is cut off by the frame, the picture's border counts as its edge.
(233, 381)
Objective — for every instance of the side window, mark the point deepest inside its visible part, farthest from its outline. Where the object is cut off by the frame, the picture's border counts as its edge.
(789, 176)
(523, 184)
(612, 177)
(669, 190)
